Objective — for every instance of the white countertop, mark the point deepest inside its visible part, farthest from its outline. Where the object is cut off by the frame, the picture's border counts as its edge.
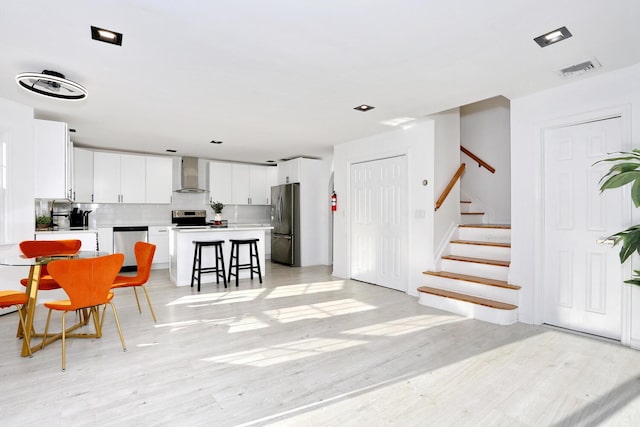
(238, 227)
(84, 230)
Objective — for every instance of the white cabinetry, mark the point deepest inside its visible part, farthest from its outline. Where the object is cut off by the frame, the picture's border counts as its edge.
(89, 239)
(159, 236)
(158, 179)
(118, 178)
(290, 171)
(220, 182)
(53, 160)
(241, 184)
(82, 175)
(272, 179)
(105, 239)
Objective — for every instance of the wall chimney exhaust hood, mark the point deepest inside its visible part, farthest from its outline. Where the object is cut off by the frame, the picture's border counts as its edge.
(189, 176)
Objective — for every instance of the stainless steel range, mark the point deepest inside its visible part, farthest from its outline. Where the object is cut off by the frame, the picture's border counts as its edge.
(188, 218)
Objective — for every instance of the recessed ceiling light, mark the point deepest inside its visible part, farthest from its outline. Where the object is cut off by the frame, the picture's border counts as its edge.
(72, 130)
(213, 141)
(364, 107)
(106, 36)
(553, 37)
(271, 161)
(397, 121)
(168, 150)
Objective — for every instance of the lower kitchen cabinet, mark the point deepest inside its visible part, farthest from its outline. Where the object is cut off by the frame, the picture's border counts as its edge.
(88, 238)
(105, 239)
(159, 236)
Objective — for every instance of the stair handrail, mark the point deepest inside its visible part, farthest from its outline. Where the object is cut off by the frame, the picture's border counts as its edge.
(481, 163)
(449, 186)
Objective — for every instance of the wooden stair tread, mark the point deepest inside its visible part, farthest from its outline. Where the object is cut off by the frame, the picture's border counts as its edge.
(471, 213)
(477, 260)
(483, 243)
(500, 226)
(467, 298)
(474, 279)
(465, 201)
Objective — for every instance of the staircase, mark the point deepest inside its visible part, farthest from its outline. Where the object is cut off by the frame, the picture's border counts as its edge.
(473, 280)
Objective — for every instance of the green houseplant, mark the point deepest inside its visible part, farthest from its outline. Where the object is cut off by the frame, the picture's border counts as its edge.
(217, 208)
(625, 169)
(43, 221)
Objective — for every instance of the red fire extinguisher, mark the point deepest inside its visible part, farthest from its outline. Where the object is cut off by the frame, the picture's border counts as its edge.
(334, 202)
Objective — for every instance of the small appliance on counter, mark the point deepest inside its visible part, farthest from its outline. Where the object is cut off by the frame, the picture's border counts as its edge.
(189, 218)
(79, 218)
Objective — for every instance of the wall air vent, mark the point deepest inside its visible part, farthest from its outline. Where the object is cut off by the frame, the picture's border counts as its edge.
(580, 69)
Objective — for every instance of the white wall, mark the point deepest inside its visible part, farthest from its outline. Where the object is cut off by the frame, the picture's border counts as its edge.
(485, 131)
(617, 90)
(447, 162)
(16, 126)
(417, 143)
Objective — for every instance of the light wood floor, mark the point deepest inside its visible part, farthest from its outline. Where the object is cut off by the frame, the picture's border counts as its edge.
(306, 349)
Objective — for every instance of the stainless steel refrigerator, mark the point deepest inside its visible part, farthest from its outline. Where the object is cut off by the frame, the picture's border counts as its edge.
(285, 219)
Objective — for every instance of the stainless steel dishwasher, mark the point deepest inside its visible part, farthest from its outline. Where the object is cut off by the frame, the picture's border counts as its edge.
(124, 239)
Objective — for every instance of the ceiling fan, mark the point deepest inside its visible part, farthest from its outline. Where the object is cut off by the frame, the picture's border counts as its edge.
(51, 84)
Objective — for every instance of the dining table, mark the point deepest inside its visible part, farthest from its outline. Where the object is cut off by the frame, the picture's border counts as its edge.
(29, 309)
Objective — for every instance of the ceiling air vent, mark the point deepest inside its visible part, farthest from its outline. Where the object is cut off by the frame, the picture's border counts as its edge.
(580, 69)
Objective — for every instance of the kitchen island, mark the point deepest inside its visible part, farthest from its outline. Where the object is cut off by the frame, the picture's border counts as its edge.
(181, 249)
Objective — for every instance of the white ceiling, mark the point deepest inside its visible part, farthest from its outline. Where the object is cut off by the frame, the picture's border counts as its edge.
(277, 79)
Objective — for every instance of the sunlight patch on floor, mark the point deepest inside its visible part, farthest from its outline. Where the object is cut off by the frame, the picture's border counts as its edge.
(320, 310)
(405, 326)
(219, 297)
(287, 352)
(305, 289)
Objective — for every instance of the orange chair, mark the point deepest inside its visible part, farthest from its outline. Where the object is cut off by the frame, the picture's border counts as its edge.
(44, 248)
(17, 298)
(87, 282)
(144, 257)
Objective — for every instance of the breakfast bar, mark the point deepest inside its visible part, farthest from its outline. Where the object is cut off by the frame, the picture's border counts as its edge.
(181, 249)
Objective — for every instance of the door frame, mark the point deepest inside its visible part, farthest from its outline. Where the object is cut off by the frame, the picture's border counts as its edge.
(624, 111)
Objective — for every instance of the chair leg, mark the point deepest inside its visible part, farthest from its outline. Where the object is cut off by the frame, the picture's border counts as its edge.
(46, 329)
(193, 267)
(115, 315)
(64, 342)
(258, 262)
(26, 336)
(146, 294)
(97, 321)
(137, 300)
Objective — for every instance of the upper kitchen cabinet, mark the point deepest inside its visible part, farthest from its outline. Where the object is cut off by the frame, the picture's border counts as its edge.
(289, 171)
(158, 179)
(220, 182)
(119, 178)
(240, 184)
(272, 179)
(53, 160)
(82, 175)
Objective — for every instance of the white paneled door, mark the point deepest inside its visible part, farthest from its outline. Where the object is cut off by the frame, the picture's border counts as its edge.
(379, 222)
(582, 277)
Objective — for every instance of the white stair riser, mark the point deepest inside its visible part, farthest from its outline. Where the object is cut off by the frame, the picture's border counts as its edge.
(472, 219)
(466, 207)
(501, 235)
(474, 311)
(476, 269)
(481, 251)
(480, 290)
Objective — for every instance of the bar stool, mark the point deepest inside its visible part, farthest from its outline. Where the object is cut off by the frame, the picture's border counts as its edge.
(253, 254)
(198, 269)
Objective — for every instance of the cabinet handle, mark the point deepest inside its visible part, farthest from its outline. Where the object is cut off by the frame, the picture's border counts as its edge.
(91, 197)
(249, 200)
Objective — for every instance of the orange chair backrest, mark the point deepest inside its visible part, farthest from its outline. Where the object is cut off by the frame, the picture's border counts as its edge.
(87, 281)
(144, 258)
(38, 248)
